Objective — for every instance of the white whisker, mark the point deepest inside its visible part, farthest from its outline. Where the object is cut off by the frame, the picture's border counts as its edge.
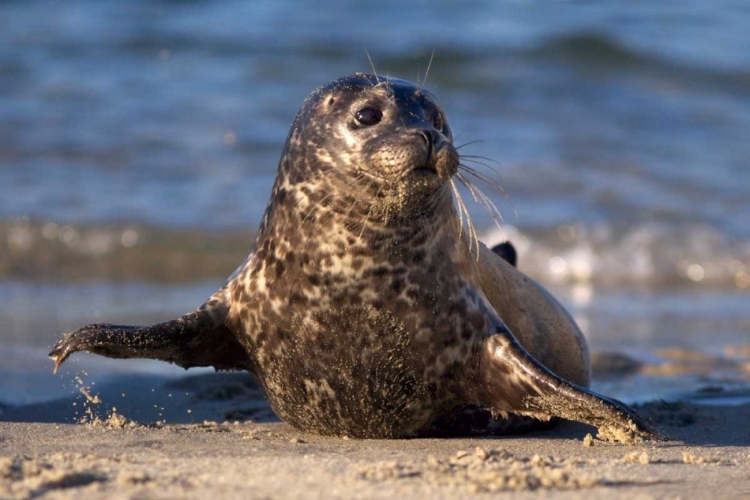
(427, 71)
(472, 228)
(460, 210)
(372, 65)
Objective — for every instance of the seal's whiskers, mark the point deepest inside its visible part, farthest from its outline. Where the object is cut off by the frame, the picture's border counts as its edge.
(495, 183)
(427, 71)
(472, 232)
(372, 65)
(355, 200)
(483, 200)
(469, 144)
(459, 202)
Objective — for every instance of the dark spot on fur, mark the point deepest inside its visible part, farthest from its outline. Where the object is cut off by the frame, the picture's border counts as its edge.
(379, 271)
(296, 298)
(397, 284)
(456, 308)
(418, 257)
(432, 390)
(449, 341)
(452, 372)
(280, 196)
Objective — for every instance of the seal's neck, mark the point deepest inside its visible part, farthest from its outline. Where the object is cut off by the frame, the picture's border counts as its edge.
(315, 248)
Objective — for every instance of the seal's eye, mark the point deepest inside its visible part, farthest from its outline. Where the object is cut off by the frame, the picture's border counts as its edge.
(438, 121)
(369, 116)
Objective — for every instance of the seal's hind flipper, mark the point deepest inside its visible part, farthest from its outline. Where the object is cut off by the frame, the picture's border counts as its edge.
(512, 381)
(507, 251)
(200, 338)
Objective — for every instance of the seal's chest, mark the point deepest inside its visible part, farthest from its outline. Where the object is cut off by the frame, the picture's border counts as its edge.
(353, 372)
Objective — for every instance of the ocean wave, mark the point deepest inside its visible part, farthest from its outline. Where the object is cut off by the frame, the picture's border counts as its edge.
(55, 252)
(598, 51)
(590, 47)
(651, 255)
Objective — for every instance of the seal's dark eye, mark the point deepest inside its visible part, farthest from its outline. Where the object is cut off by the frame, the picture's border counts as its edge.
(369, 116)
(438, 121)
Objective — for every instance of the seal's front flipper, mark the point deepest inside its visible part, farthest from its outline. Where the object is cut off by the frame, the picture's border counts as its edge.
(200, 338)
(512, 381)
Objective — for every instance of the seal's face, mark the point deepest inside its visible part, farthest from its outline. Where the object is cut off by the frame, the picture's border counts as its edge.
(382, 140)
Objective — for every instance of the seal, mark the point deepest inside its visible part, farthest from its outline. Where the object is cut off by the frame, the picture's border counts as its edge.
(363, 309)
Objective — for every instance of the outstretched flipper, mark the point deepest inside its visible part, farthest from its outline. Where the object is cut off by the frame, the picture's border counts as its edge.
(200, 338)
(512, 381)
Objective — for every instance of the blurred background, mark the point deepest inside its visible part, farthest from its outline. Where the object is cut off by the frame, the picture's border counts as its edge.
(139, 141)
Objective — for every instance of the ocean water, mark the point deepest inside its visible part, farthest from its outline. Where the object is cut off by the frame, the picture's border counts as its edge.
(139, 141)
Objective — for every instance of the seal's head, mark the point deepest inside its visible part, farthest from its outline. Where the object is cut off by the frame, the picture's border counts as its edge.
(383, 145)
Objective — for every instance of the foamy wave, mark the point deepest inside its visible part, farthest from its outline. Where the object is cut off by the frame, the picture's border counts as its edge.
(649, 255)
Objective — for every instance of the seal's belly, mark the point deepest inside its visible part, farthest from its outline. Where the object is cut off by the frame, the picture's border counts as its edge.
(354, 372)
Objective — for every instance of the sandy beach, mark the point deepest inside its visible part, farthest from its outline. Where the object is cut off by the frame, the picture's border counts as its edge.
(222, 441)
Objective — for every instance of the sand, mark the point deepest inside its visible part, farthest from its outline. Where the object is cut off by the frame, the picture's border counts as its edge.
(193, 452)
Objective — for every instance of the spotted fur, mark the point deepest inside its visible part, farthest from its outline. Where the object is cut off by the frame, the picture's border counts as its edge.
(362, 310)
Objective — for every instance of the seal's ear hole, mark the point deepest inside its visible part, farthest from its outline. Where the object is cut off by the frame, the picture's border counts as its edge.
(331, 100)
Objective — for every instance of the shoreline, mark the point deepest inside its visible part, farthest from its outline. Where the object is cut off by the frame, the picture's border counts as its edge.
(708, 458)
(255, 456)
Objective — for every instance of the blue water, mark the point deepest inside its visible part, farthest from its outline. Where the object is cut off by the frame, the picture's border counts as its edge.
(139, 141)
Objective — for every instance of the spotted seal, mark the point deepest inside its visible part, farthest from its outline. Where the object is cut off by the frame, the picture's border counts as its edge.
(363, 309)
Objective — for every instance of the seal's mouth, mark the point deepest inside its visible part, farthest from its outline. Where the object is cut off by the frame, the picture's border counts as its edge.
(421, 172)
(424, 170)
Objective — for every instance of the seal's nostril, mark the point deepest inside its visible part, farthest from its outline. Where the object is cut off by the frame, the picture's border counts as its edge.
(430, 137)
(427, 138)
(429, 141)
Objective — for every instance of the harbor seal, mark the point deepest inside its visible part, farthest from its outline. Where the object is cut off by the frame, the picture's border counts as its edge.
(363, 309)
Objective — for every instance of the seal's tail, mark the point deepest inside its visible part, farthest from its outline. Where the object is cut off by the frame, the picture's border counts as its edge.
(200, 338)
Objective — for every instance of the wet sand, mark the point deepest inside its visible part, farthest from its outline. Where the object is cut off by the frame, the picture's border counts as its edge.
(227, 444)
